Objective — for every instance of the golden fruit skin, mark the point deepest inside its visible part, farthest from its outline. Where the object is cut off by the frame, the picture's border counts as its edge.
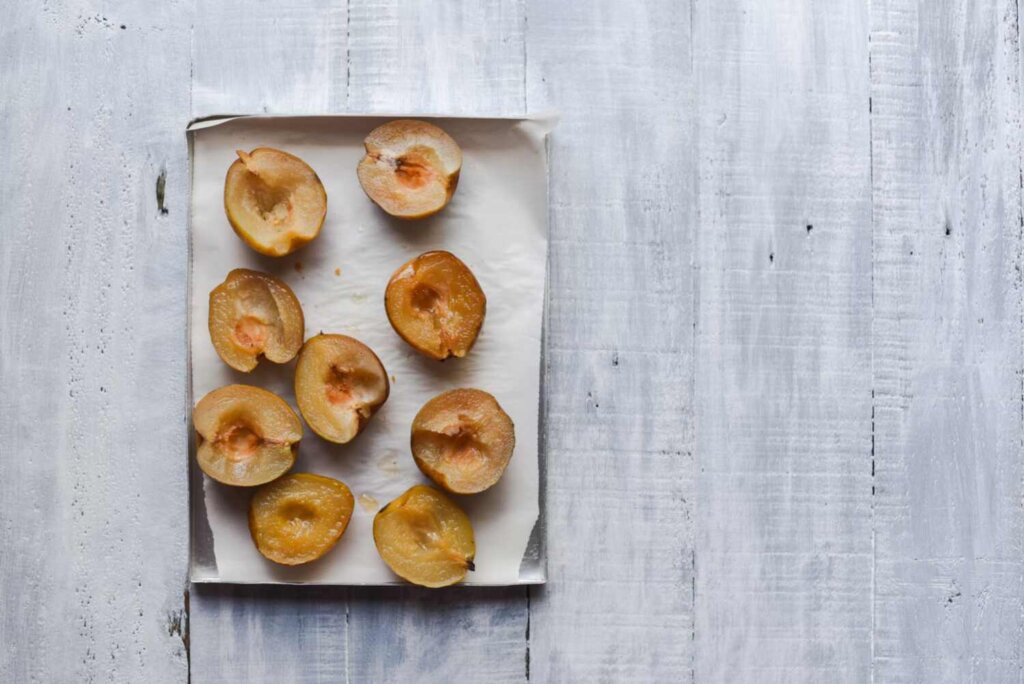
(291, 183)
(463, 440)
(300, 517)
(340, 384)
(435, 303)
(260, 301)
(411, 168)
(425, 538)
(246, 435)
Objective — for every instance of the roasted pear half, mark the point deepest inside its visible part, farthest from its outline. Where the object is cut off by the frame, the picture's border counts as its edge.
(274, 201)
(425, 538)
(410, 169)
(339, 384)
(435, 303)
(300, 517)
(463, 440)
(254, 314)
(247, 435)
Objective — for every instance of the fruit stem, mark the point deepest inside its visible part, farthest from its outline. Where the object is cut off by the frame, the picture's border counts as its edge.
(246, 159)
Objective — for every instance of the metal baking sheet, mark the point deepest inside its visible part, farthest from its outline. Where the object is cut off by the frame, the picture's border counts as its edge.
(505, 166)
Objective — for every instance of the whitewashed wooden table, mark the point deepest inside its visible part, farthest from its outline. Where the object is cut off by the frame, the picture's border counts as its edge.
(785, 357)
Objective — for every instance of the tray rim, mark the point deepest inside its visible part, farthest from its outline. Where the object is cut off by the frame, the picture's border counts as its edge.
(533, 569)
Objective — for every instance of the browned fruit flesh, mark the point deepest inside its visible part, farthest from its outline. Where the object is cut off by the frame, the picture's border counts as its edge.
(247, 436)
(254, 314)
(339, 384)
(425, 538)
(411, 168)
(435, 303)
(463, 440)
(299, 517)
(274, 201)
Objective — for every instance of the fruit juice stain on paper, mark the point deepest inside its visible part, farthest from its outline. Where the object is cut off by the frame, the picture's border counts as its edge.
(388, 463)
(369, 504)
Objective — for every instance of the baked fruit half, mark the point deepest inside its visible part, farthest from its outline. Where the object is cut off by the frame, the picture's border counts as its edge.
(254, 314)
(247, 435)
(435, 303)
(463, 440)
(274, 201)
(299, 517)
(339, 384)
(410, 169)
(425, 538)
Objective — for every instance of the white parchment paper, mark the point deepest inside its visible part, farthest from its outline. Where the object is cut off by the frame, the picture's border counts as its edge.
(496, 223)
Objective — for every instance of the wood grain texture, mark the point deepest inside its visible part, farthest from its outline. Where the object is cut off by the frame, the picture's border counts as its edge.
(446, 58)
(618, 606)
(92, 397)
(369, 635)
(248, 635)
(407, 56)
(785, 388)
(469, 634)
(783, 393)
(273, 57)
(255, 57)
(947, 341)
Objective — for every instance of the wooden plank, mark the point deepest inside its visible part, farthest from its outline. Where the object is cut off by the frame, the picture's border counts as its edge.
(253, 57)
(407, 56)
(470, 634)
(947, 341)
(784, 555)
(276, 634)
(242, 635)
(445, 58)
(268, 57)
(619, 383)
(93, 494)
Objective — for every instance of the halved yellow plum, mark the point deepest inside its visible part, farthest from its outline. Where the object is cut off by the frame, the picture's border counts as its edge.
(463, 440)
(299, 517)
(254, 314)
(274, 201)
(339, 384)
(425, 538)
(411, 168)
(247, 436)
(435, 303)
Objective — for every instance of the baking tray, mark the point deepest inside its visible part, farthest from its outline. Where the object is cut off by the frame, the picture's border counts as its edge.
(203, 565)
